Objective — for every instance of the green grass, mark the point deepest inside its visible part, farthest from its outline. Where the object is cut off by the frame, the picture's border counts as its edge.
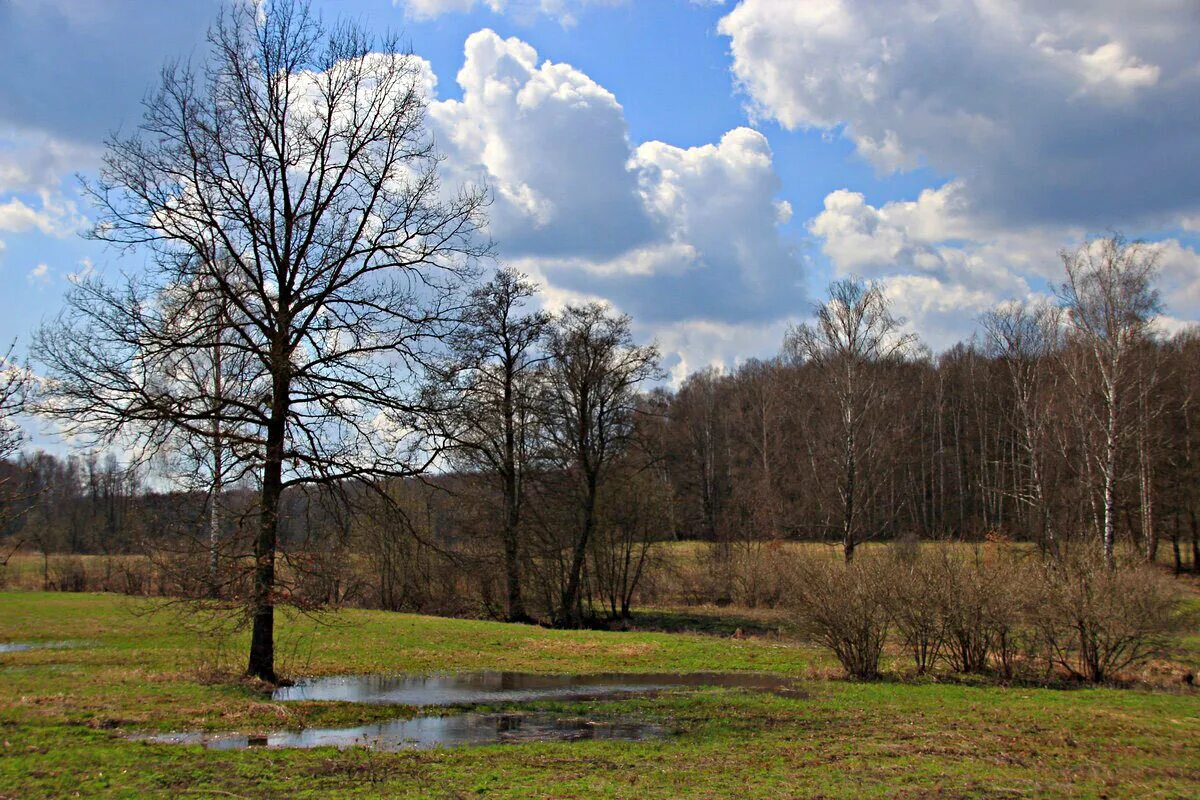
(64, 713)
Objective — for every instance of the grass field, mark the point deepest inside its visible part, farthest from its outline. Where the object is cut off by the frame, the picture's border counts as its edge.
(64, 714)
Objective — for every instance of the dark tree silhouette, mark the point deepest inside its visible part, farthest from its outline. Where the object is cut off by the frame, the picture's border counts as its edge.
(292, 178)
(595, 370)
(486, 396)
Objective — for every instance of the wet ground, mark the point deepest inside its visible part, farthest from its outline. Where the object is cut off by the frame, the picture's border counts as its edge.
(21, 647)
(478, 688)
(425, 733)
(475, 689)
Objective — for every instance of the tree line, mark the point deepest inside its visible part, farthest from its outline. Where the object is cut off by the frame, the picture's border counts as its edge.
(1063, 419)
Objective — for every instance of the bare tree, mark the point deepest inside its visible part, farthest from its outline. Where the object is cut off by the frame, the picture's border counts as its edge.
(1110, 299)
(13, 383)
(487, 391)
(853, 338)
(301, 153)
(1025, 338)
(595, 370)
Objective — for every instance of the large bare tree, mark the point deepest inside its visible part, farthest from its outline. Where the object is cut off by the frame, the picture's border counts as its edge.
(293, 177)
(852, 340)
(1111, 302)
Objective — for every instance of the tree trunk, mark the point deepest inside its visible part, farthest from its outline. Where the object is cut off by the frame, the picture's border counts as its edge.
(512, 555)
(262, 639)
(851, 480)
(1110, 481)
(570, 614)
(1195, 543)
(1175, 546)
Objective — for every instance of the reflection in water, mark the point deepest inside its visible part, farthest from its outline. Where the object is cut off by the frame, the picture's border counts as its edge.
(475, 688)
(424, 733)
(21, 647)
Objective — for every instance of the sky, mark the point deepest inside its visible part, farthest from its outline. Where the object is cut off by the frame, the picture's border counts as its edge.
(705, 166)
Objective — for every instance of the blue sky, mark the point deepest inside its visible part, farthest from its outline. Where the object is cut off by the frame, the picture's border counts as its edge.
(706, 166)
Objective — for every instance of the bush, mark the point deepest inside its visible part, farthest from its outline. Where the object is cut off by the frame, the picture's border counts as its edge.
(917, 605)
(981, 605)
(1097, 619)
(67, 574)
(847, 608)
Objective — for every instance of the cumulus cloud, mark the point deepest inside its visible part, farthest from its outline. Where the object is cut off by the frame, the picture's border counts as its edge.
(691, 345)
(1070, 112)
(1179, 272)
(943, 267)
(674, 236)
(553, 146)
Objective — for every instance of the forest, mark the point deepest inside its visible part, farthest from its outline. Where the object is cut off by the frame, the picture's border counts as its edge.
(568, 477)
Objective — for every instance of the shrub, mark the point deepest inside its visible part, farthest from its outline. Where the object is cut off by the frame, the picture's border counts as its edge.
(67, 574)
(965, 598)
(847, 608)
(1097, 619)
(917, 605)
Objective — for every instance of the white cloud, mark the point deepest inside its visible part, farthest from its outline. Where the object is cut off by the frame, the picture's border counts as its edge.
(35, 161)
(86, 268)
(56, 216)
(721, 201)
(692, 345)
(565, 12)
(1179, 270)
(941, 266)
(944, 266)
(39, 275)
(552, 145)
(686, 240)
(1069, 112)
(664, 233)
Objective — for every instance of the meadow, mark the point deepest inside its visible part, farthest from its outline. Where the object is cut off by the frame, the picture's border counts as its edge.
(137, 665)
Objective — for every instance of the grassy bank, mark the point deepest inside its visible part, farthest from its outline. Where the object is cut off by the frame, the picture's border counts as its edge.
(64, 713)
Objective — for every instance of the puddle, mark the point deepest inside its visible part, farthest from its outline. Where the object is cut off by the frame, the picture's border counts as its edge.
(470, 729)
(478, 688)
(425, 733)
(21, 647)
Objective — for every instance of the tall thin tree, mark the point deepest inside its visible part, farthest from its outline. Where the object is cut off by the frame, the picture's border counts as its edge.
(1111, 301)
(595, 370)
(853, 338)
(487, 391)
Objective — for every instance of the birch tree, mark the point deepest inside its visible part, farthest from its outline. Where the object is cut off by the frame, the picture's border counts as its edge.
(1111, 300)
(1025, 338)
(853, 337)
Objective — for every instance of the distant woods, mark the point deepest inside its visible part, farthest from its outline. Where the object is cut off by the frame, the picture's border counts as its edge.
(559, 464)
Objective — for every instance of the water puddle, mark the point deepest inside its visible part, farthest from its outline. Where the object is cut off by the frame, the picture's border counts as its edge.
(21, 647)
(478, 688)
(473, 689)
(425, 733)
